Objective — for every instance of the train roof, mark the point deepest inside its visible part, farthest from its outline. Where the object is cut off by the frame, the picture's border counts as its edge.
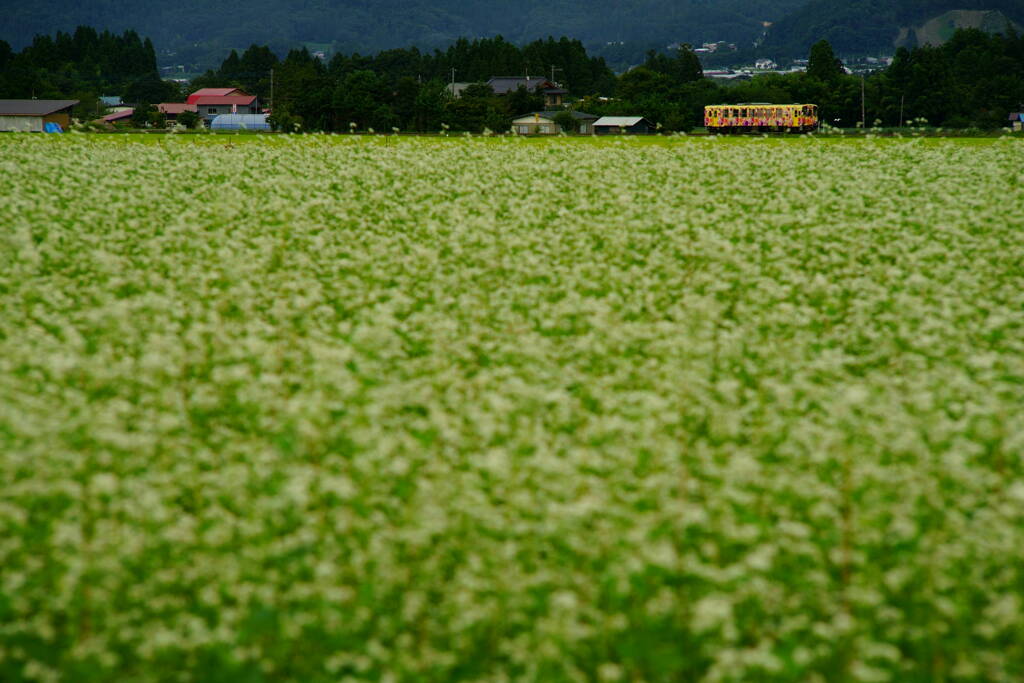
(766, 104)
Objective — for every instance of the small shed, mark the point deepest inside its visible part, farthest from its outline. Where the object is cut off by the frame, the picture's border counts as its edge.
(631, 125)
(33, 115)
(240, 122)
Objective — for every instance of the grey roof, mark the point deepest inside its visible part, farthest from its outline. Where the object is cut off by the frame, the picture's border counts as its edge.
(33, 107)
(502, 85)
(620, 121)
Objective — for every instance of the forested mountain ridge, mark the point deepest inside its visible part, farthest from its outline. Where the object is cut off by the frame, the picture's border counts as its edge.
(857, 27)
(199, 34)
(194, 29)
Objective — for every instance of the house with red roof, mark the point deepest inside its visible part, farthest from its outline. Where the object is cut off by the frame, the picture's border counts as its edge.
(171, 110)
(210, 107)
(121, 116)
(213, 92)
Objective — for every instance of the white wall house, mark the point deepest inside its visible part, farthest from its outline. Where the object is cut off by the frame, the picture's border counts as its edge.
(543, 123)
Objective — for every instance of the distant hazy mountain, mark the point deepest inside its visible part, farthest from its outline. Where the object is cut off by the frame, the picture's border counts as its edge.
(879, 26)
(191, 27)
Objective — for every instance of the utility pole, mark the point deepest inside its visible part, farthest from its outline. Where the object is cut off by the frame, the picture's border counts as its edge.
(863, 119)
(271, 103)
(901, 109)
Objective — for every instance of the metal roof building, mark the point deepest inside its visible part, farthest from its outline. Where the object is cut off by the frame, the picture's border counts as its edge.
(212, 92)
(635, 125)
(33, 115)
(122, 115)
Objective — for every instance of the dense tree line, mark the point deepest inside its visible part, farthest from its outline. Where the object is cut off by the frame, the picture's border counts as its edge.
(84, 65)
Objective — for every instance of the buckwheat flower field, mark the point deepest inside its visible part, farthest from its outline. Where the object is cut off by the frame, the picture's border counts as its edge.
(309, 408)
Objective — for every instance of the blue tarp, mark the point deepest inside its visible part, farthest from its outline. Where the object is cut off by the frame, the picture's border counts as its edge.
(52, 127)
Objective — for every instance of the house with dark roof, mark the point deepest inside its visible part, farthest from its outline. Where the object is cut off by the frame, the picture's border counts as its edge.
(554, 94)
(543, 123)
(33, 115)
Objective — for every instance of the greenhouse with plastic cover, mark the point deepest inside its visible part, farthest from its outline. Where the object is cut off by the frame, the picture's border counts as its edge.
(240, 122)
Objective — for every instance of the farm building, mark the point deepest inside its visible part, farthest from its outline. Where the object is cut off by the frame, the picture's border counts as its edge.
(240, 122)
(630, 125)
(543, 123)
(33, 115)
(1016, 120)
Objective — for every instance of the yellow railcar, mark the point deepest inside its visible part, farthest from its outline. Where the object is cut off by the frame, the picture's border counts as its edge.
(760, 118)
